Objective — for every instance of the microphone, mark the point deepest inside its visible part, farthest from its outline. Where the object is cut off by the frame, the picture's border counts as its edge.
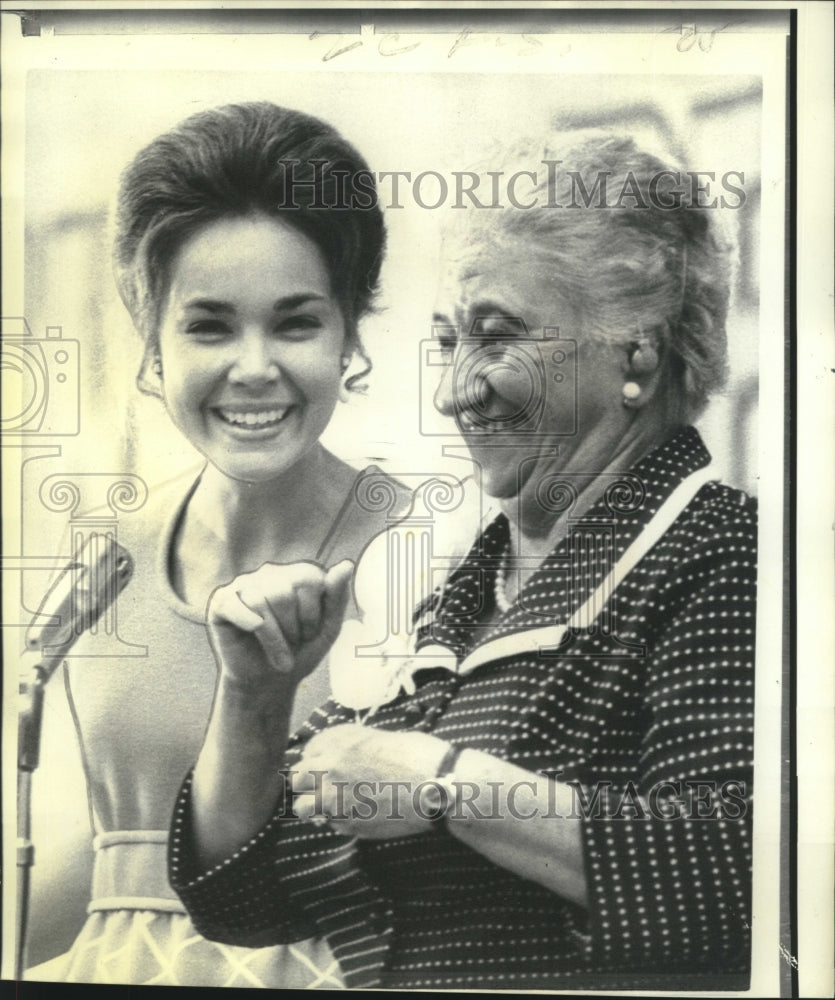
(86, 587)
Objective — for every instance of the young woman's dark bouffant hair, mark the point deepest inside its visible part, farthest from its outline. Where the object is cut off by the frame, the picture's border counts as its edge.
(228, 162)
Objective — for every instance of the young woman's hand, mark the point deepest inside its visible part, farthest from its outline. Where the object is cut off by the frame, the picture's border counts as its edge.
(278, 622)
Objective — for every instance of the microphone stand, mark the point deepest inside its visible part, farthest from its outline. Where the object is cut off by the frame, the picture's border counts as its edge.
(82, 593)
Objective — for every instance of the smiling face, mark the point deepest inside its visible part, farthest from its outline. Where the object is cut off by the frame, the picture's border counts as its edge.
(526, 404)
(251, 340)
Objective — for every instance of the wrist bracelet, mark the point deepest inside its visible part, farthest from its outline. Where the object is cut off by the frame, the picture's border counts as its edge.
(437, 795)
(448, 761)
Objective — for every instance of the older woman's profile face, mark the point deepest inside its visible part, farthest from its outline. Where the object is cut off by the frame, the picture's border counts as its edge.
(528, 392)
(250, 342)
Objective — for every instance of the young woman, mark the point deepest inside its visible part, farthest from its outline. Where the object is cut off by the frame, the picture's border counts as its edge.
(247, 288)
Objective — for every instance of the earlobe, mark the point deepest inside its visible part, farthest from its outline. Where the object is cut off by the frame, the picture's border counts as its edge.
(643, 373)
(644, 358)
(344, 364)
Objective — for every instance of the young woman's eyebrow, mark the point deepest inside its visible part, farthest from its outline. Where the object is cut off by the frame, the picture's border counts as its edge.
(210, 305)
(285, 304)
(295, 301)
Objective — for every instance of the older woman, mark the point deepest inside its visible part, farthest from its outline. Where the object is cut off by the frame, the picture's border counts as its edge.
(248, 289)
(561, 793)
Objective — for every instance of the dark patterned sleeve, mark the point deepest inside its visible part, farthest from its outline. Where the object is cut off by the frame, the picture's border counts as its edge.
(292, 880)
(668, 857)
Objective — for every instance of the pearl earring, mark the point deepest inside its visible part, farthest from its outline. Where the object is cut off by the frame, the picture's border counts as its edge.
(156, 366)
(344, 362)
(631, 392)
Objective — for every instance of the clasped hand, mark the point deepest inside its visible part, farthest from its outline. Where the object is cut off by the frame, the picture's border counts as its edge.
(278, 622)
(365, 781)
(269, 629)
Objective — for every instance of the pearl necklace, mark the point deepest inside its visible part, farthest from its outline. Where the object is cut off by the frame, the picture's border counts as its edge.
(499, 590)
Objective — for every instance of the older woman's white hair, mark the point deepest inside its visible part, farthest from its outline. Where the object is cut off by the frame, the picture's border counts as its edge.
(631, 244)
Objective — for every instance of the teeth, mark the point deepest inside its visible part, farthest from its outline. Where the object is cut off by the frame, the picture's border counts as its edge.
(466, 424)
(261, 418)
(495, 425)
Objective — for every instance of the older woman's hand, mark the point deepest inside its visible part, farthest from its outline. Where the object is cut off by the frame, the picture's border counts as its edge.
(367, 781)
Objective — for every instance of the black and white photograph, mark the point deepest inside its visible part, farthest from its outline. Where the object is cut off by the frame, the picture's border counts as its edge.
(400, 491)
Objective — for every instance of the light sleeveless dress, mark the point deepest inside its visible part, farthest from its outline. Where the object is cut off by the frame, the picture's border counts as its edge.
(140, 721)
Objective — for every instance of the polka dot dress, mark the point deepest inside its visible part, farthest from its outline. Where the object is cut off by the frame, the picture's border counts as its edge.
(647, 715)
